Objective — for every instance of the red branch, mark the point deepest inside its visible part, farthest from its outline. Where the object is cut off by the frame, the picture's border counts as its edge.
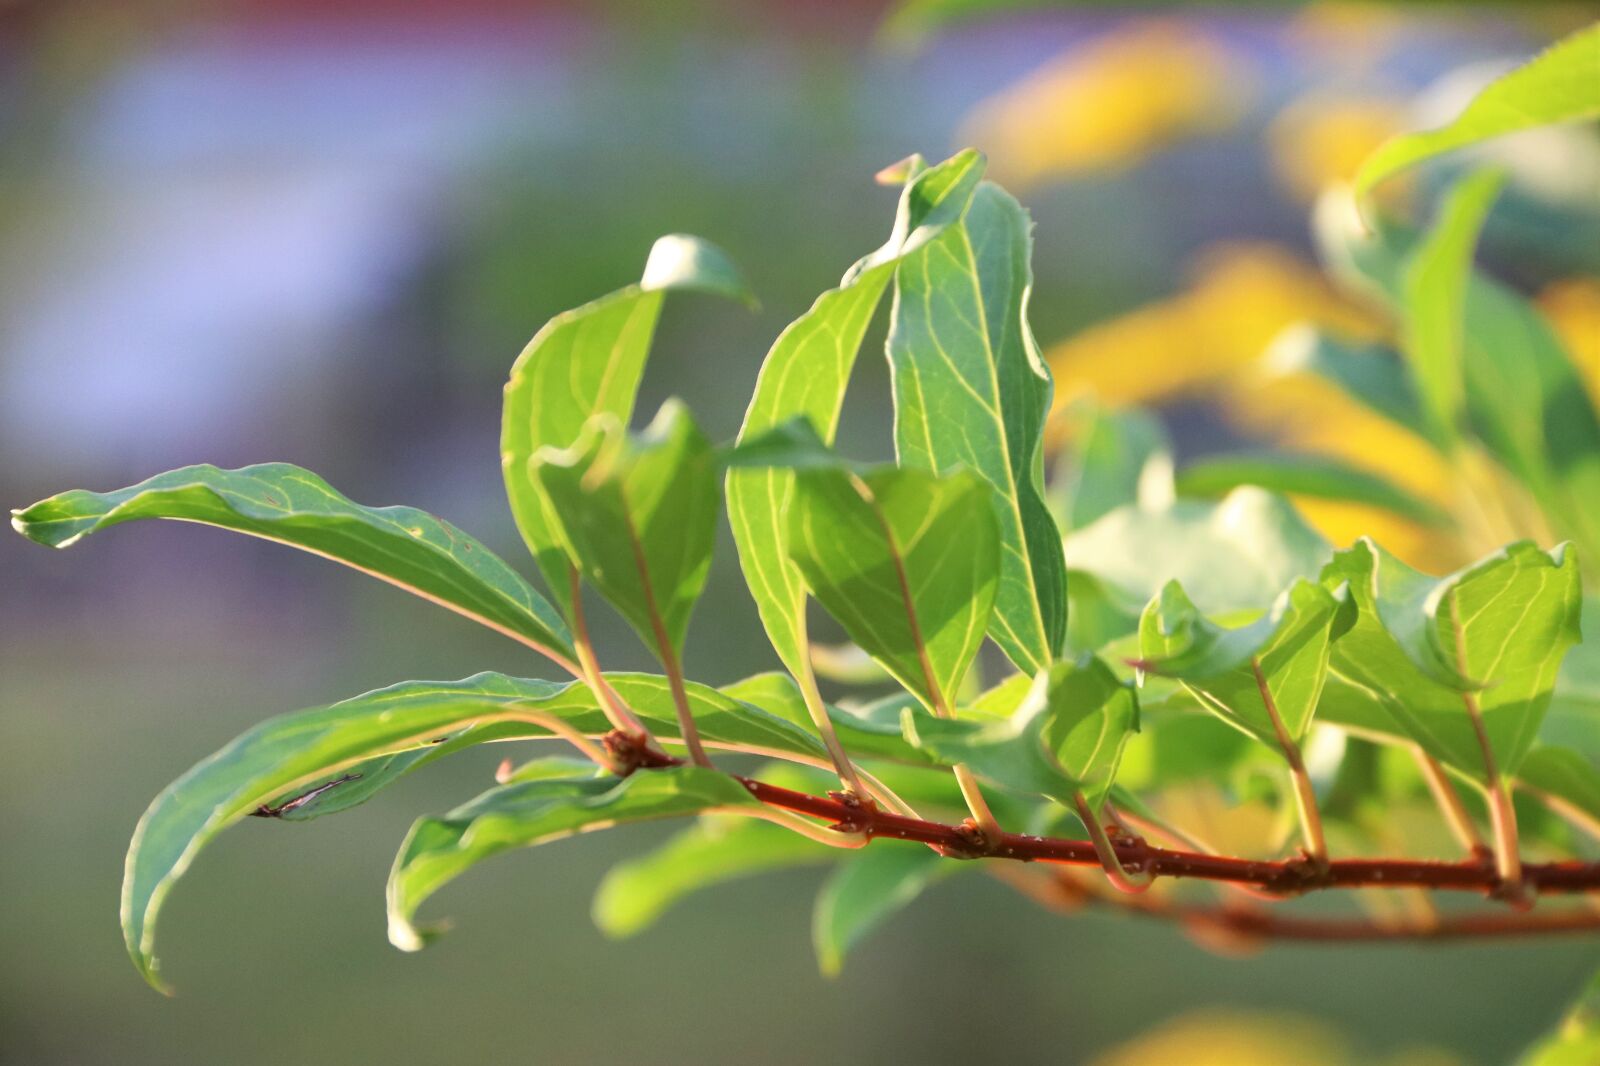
(1286, 877)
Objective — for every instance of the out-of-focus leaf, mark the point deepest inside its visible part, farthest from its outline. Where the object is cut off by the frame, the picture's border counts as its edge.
(638, 517)
(1435, 287)
(587, 362)
(1067, 735)
(283, 503)
(1233, 555)
(906, 561)
(971, 391)
(804, 376)
(1562, 84)
(847, 664)
(865, 891)
(1099, 469)
(1097, 614)
(1525, 401)
(1176, 747)
(345, 752)
(714, 850)
(438, 850)
(1567, 775)
(1498, 628)
(1576, 1042)
(1372, 376)
(1303, 475)
(1289, 647)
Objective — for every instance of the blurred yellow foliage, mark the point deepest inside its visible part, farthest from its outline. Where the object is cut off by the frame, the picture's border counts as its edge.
(1243, 295)
(1241, 1038)
(1319, 140)
(1110, 103)
(1573, 307)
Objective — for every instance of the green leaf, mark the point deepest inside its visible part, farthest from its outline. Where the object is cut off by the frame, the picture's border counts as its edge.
(1233, 555)
(438, 850)
(804, 376)
(1435, 289)
(1175, 747)
(971, 390)
(1101, 469)
(906, 561)
(864, 892)
(1067, 735)
(638, 517)
(587, 362)
(1303, 475)
(714, 850)
(1372, 376)
(1498, 628)
(367, 742)
(283, 503)
(1289, 646)
(1526, 401)
(1567, 776)
(1562, 84)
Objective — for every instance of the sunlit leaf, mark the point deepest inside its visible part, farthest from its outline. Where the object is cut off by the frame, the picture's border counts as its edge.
(865, 891)
(906, 561)
(1233, 555)
(1562, 84)
(588, 362)
(971, 391)
(804, 376)
(438, 850)
(871, 735)
(1435, 289)
(638, 517)
(1066, 735)
(283, 503)
(1274, 667)
(1498, 629)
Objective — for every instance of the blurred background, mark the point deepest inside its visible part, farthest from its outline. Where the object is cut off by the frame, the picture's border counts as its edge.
(320, 232)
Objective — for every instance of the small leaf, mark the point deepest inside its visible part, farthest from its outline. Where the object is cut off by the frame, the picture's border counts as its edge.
(1067, 735)
(1288, 646)
(804, 376)
(971, 390)
(1500, 627)
(438, 850)
(638, 518)
(283, 503)
(906, 561)
(1303, 475)
(1233, 555)
(714, 850)
(864, 892)
(1562, 84)
(1435, 289)
(587, 362)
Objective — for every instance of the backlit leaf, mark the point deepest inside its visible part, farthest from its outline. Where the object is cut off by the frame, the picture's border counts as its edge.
(525, 814)
(971, 390)
(587, 362)
(1562, 84)
(638, 516)
(906, 561)
(805, 375)
(283, 503)
(865, 891)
